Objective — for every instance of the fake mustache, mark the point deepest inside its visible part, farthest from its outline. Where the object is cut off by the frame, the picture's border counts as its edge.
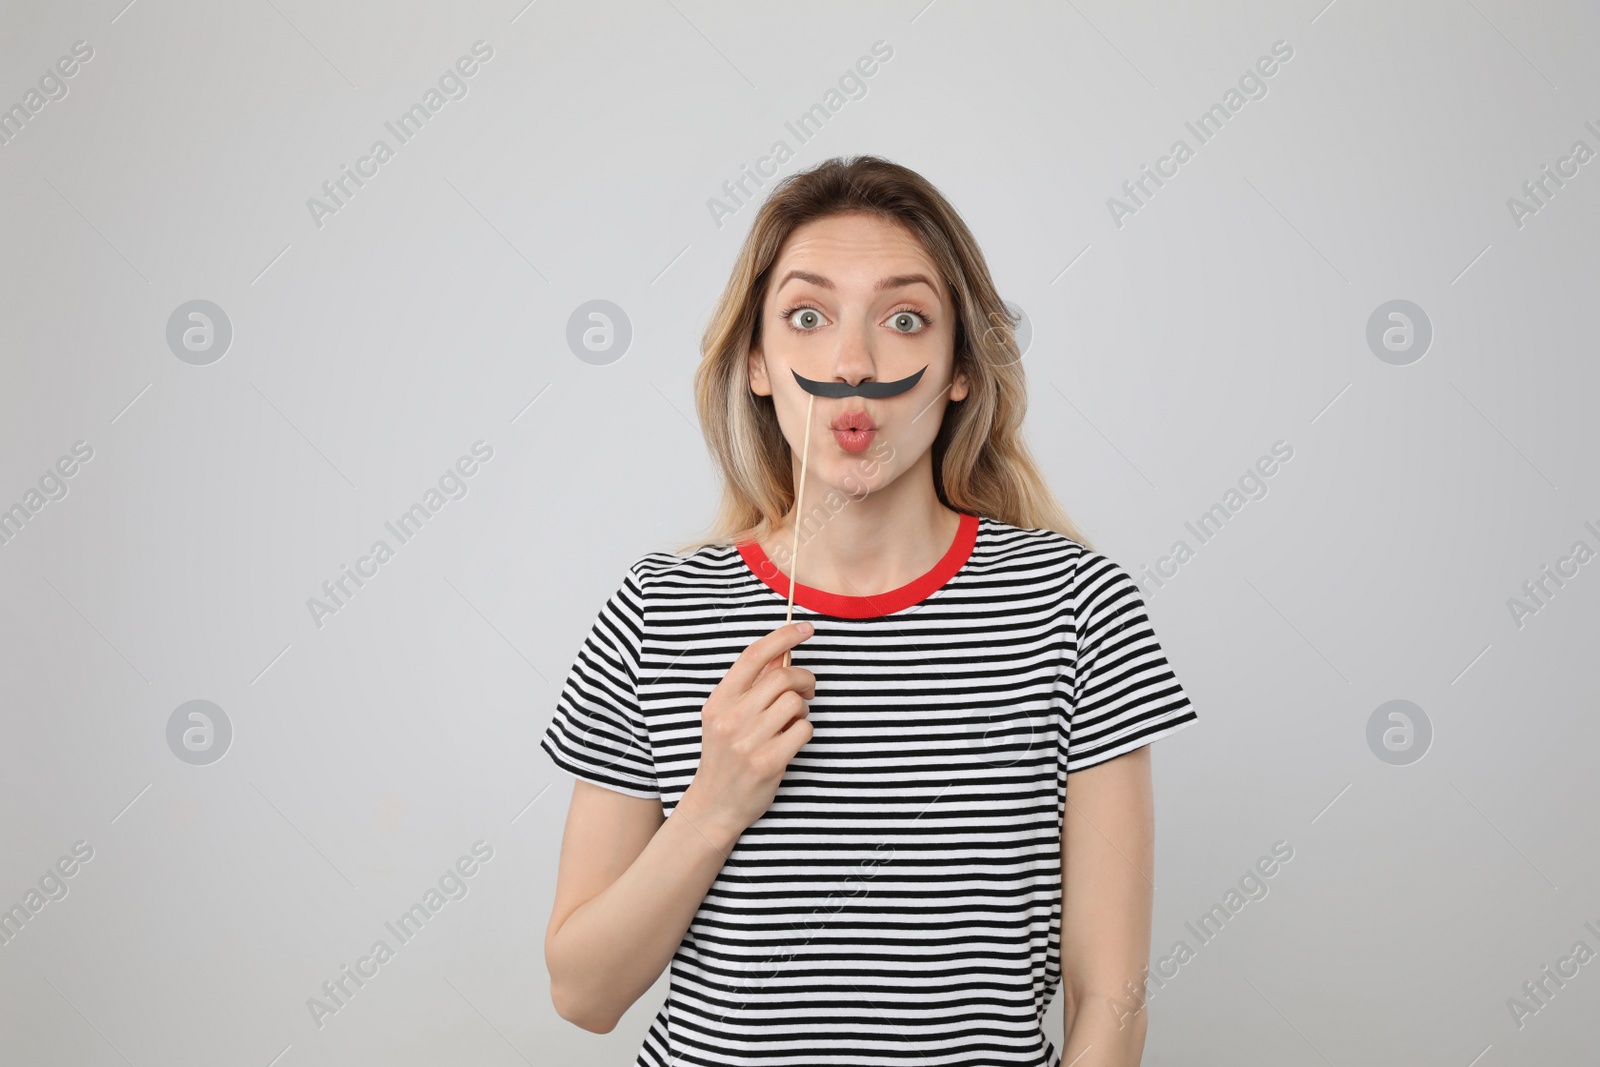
(870, 390)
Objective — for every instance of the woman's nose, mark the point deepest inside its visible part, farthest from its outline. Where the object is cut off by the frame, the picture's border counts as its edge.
(853, 361)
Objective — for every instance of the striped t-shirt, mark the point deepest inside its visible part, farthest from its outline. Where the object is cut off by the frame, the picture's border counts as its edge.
(900, 900)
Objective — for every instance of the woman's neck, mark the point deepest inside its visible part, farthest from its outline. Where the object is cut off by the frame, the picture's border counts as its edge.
(865, 545)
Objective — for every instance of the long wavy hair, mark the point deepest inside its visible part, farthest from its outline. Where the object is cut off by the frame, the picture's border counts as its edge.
(981, 464)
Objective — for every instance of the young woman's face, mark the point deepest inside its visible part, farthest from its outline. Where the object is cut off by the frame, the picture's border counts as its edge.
(855, 299)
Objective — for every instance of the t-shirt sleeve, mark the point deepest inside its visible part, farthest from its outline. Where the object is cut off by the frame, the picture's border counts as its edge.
(598, 731)
(1123, 692)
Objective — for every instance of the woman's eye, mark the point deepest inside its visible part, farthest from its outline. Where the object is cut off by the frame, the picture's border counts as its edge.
(908, 318)
(805, 318)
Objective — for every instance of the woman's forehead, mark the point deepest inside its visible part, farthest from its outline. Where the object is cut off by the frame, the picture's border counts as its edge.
(839, 243)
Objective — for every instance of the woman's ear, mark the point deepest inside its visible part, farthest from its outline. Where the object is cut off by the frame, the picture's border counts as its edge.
(959, 385)
(756, 365)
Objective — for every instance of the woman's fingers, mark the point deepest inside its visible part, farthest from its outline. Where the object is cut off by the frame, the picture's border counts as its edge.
(755, 660)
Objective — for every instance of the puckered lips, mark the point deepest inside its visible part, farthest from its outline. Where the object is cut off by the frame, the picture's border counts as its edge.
(854, 429)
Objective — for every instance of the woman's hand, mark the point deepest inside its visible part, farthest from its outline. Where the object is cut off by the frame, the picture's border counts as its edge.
(750, 728)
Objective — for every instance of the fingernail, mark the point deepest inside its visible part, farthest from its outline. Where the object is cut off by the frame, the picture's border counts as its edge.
(805, 627)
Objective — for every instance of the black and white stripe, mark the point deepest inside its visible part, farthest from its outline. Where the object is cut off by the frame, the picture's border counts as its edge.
(899, 902)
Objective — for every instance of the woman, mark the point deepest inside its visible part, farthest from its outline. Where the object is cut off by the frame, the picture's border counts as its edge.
(868, 855)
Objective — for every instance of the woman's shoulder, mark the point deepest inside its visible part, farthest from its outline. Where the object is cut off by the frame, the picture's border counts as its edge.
(1001, 540)
(712, 563)
(1047, 553)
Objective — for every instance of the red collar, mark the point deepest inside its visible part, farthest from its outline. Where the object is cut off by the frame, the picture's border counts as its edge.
(878, 604)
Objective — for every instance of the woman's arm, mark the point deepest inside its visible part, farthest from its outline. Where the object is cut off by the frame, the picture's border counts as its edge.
(631, 881)
(1107, 883)
(629, 884)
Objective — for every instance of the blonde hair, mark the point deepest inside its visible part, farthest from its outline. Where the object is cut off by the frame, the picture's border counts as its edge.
(981, 464)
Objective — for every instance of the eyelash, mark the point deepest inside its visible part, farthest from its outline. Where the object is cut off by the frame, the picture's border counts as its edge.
(927, 322)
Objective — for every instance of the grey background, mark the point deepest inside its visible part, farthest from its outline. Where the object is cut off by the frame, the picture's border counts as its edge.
(1168, 354)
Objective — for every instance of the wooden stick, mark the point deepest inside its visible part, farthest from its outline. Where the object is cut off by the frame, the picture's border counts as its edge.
(799, 496)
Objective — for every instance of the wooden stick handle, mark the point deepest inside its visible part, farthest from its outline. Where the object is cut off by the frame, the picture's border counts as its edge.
(799, 497)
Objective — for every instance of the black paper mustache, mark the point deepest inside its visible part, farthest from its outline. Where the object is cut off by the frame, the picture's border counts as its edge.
(869, 390)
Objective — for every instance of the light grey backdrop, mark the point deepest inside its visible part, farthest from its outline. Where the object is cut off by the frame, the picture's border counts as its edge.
(1175, 339)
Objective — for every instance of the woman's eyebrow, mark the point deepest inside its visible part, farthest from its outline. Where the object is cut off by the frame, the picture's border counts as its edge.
(897, 281)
